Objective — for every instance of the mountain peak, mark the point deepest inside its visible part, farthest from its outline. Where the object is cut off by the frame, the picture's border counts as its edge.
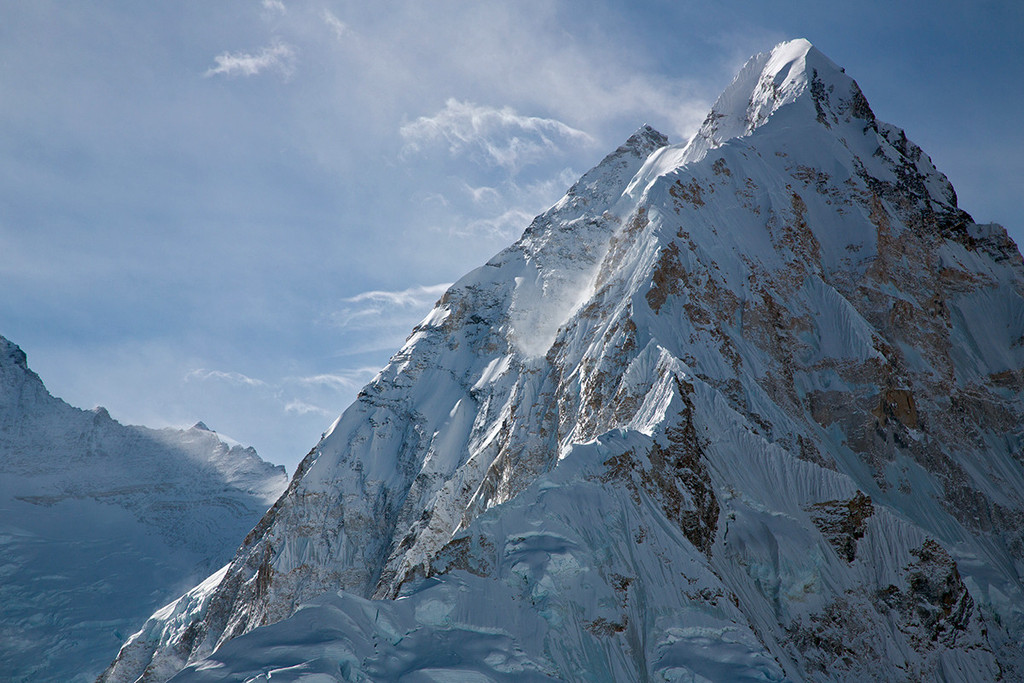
(776, 360)
(12, 351)
(645, 140)
(791, 72)
(126, 511)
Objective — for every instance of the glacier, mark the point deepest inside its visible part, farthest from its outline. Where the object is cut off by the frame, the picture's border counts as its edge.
(749, 407)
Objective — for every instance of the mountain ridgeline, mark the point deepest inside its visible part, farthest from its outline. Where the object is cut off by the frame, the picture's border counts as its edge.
(745, 408)
(101, 523)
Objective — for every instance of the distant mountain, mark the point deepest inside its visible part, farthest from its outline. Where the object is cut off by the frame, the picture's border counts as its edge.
(101, 523)
(746, 408)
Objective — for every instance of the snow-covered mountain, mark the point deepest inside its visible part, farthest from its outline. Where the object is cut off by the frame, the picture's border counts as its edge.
(745, 408)
(101, 523)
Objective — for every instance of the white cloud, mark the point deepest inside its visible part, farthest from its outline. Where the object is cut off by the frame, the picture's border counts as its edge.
(500, 137)
(483, 194)
(375, 321)
(356, 318)
(302, 408)
(203, 374)
(275, 6)
(277, 56)
(303, 395)
(419, 295)
(509, 225)
(434, 198)
(337, 26)
(514, 205)
(546, 190)
(345, 380)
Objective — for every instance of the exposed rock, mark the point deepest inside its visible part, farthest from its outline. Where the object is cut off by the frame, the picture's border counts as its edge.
(843, 522)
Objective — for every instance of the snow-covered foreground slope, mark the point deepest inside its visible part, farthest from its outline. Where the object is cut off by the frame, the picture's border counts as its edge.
(747, 408)
(101, 523)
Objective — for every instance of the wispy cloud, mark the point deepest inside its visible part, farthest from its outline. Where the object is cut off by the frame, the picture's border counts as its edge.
(413, 296)
(294, 395)
(337, 26)
(374, 321)
(512, 205)
(300, 407)
(203, 374)
(345, 380)
(275, 6)
(500, 137)
(507, 225)
(483, 194)
(278, 56)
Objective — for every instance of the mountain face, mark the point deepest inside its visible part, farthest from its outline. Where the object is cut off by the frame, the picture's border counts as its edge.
(746, 408)
(101, 523)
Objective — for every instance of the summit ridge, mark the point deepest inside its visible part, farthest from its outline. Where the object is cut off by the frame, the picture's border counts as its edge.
(769, 81)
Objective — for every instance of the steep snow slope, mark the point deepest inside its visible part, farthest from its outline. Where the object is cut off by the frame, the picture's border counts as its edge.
(748, 408)
(101, 523)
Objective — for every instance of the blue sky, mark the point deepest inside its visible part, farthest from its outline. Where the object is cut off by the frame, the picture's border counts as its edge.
(235, 211)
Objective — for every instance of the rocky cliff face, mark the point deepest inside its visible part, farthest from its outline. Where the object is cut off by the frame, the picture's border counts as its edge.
(101, 523)
(744, 408)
